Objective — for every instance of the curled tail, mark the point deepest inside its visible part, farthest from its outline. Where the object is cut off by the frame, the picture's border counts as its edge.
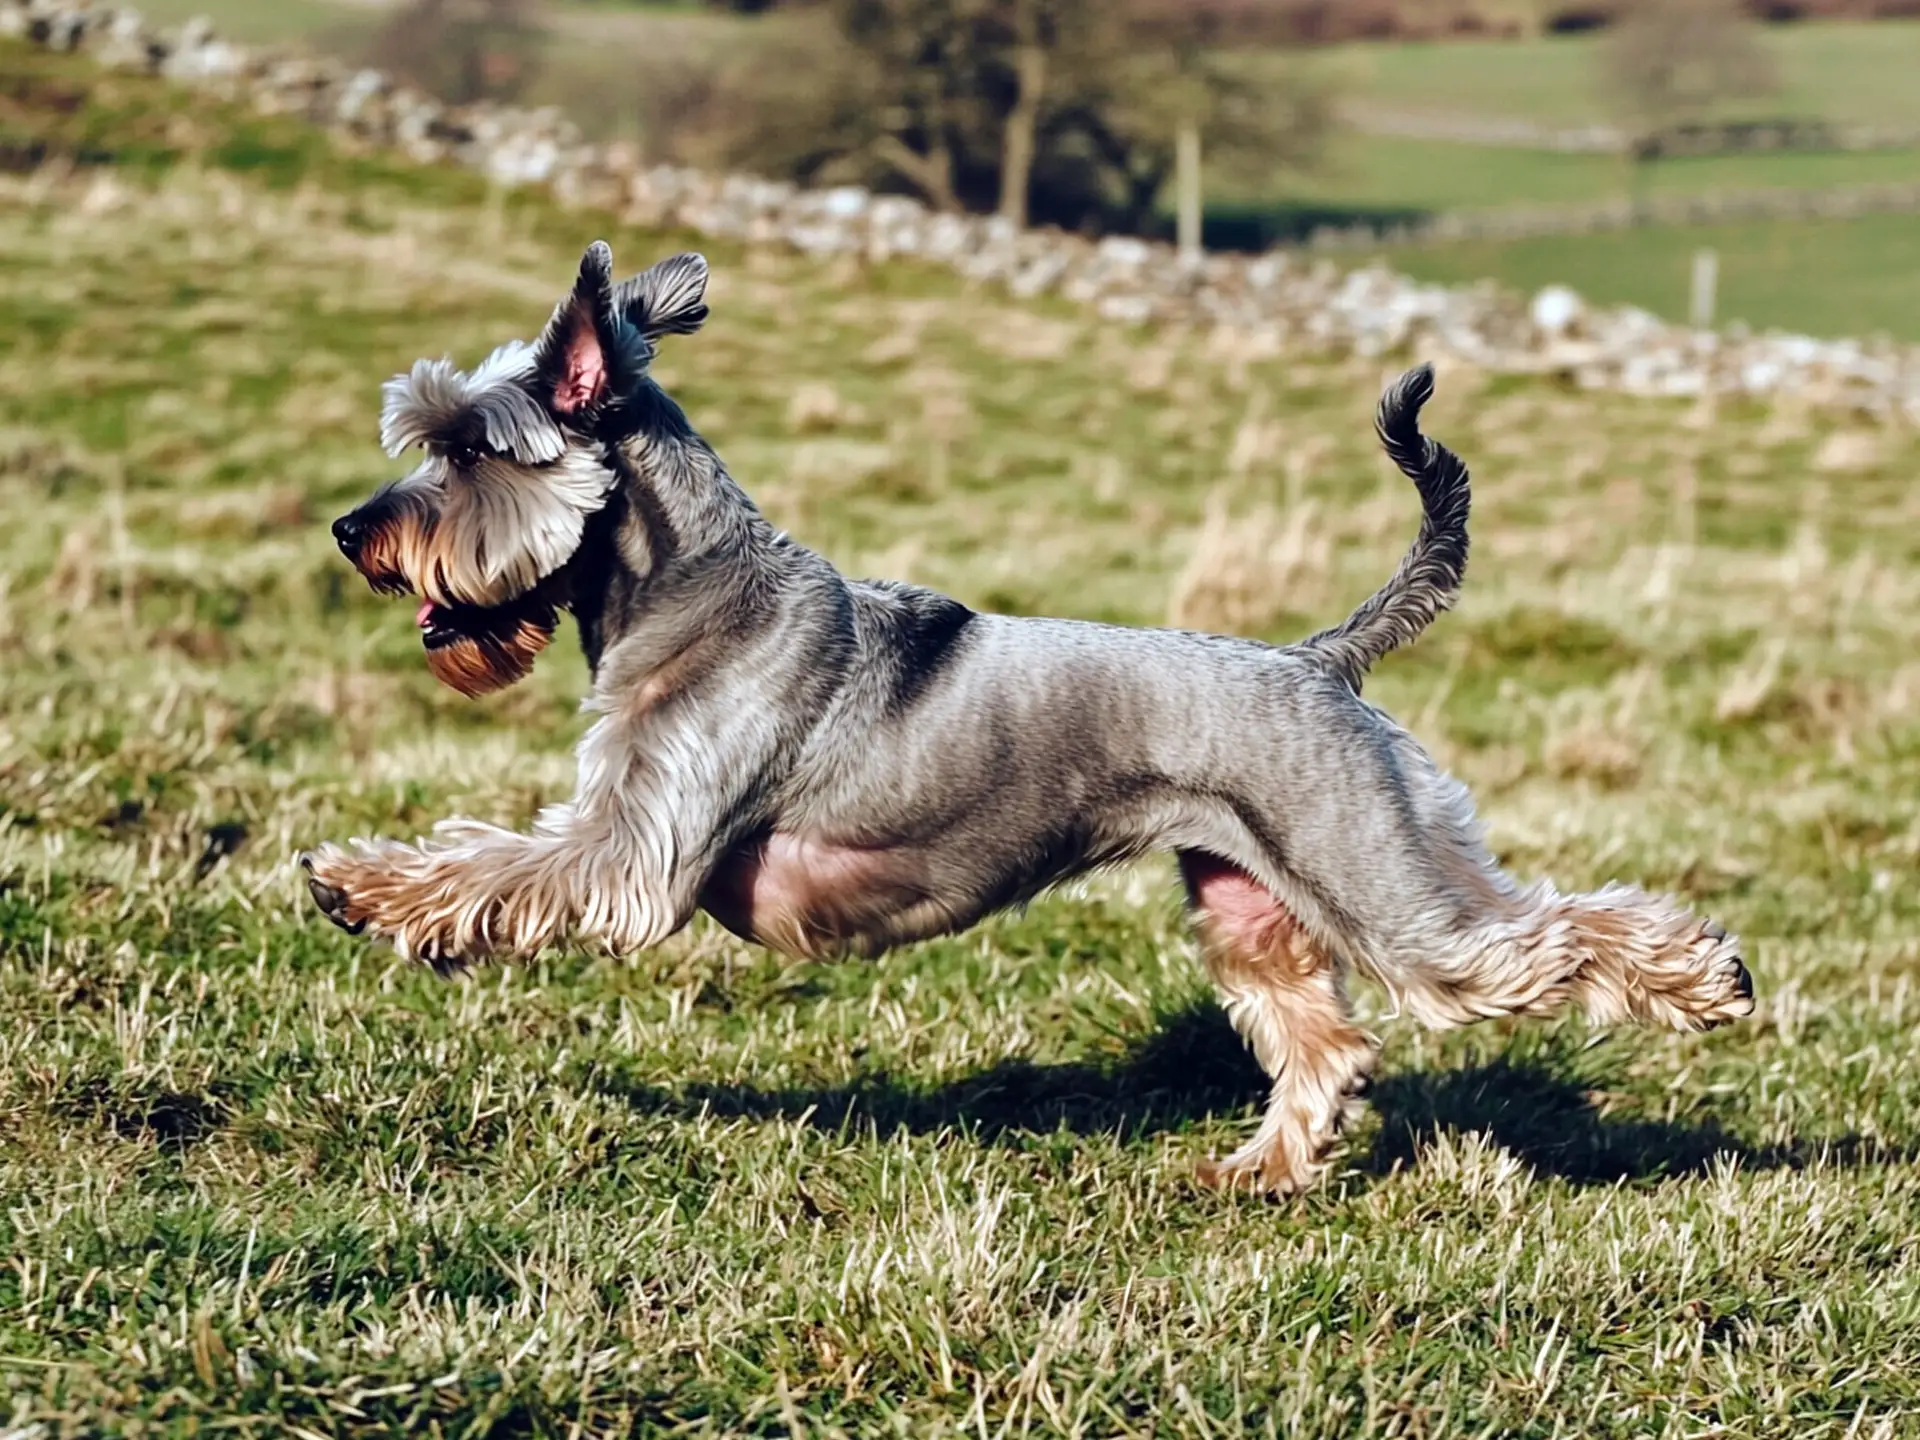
(1428, 578)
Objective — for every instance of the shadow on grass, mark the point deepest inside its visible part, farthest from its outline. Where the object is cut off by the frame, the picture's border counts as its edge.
(1556, 1126)
(1194, 1067)
(1191, 1067)
(174, 1119)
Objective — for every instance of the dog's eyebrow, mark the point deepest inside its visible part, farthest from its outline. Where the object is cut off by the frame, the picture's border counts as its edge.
(433, 399)
(468, 432)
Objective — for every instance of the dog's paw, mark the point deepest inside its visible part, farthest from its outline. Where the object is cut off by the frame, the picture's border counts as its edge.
(1260, 1178)
(388, 893)
(1725, 990)
(330, 894)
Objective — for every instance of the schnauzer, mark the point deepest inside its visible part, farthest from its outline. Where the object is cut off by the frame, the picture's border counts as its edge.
(836, 767)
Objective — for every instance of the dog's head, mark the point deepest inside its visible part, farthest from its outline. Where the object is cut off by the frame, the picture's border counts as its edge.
(517, 460)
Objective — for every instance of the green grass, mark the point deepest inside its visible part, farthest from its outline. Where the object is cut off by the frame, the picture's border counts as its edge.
(1851, 277)
(1387, 172)
(1824, 278)
(1850, 73)
(255, 23)
(256, 1175)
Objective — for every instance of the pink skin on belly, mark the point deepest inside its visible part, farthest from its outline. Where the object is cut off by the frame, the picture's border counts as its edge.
(812, 897)
(1236, 905)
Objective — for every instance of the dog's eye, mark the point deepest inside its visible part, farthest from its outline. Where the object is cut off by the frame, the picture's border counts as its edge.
(464, 457)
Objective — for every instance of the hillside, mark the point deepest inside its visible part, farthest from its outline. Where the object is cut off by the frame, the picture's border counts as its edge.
(253, 1172)
(1394, 161)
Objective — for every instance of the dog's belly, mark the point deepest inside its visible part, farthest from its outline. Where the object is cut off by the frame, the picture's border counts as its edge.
(817, 899)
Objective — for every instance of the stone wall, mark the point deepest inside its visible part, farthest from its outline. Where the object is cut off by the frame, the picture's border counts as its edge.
(1301, 300)
(1728, 137)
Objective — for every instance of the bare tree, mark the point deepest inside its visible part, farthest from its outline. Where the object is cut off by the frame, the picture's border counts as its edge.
(872, 92)
(1035, 32)
(1166, 76)
(462, 50)
(924, 59)
(1064, 111)
(1271, 121)
(1674, 62)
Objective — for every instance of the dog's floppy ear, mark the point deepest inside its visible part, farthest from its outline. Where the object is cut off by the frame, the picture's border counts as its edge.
(669, 298)
(581, 356)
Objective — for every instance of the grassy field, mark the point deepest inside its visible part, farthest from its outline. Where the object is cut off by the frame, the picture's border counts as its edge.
(1853, 73)
(257, 1176)
(1856, 74)
(1389, 172)
(1826, 279)
(1868, 271)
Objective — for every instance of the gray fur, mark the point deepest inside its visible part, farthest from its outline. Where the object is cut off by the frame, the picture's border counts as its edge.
(1428, 579)
(834, 766)
(668, 298)
(432, 402)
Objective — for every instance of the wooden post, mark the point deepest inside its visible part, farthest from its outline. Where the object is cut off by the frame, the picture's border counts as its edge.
(1023, 120)
(1706, 279)
(1186, 162)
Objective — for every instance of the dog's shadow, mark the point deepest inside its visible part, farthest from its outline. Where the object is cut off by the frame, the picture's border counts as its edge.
(1193, 1067)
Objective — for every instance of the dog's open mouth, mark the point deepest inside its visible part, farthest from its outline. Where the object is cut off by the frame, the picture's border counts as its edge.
(477, 649)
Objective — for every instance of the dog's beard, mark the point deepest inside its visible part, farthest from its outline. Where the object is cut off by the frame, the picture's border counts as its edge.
(490, 608)
(477, 650)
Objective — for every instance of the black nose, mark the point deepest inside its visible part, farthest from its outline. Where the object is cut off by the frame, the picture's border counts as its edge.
(349, 534)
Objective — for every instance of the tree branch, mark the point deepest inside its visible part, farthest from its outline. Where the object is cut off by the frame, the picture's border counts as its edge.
(927, 173)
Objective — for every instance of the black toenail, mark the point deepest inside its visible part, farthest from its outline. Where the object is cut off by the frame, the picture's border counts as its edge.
(333, 904)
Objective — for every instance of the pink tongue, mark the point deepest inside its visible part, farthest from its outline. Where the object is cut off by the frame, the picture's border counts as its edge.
(426, 614)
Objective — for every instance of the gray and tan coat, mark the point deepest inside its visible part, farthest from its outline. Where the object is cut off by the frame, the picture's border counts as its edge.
(836, 767)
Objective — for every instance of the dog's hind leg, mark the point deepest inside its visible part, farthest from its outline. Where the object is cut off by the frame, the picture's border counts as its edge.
(1284, 995)
(1456, 940)
(1424, 908)
(1618, 953)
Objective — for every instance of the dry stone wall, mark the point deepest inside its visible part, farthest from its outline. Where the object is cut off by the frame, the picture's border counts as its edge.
(1731, 137)
(1305, 301)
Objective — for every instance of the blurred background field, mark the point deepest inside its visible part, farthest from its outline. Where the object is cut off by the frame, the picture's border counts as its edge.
(1809, 275)
(255, 1174)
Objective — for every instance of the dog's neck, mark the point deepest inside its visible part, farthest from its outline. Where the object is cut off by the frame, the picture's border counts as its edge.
(597, 583)
(678, 549)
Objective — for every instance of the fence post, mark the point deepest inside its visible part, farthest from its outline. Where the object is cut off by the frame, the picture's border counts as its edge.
(1186, 153)
(1706, 279)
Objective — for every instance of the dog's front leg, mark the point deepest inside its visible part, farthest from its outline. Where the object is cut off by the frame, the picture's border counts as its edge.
(661, 796)
(475, 892)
